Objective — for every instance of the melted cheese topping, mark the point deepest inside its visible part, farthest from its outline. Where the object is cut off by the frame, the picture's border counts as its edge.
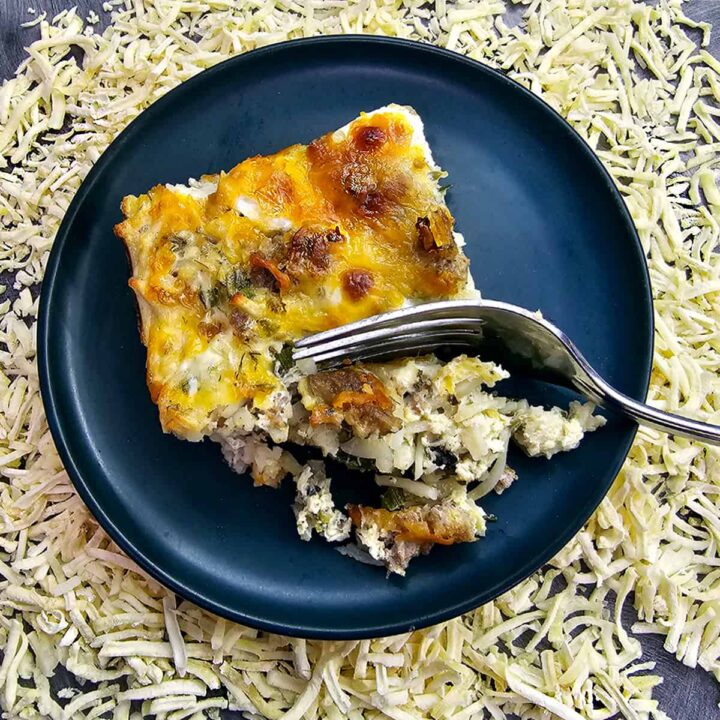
(312, 237)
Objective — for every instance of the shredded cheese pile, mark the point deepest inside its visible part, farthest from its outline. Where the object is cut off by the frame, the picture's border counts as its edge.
(634, 80)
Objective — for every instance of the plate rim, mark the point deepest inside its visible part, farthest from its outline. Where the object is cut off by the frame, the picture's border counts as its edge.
(63, 443)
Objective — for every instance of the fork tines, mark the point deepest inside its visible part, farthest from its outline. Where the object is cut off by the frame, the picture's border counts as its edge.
(409, 331)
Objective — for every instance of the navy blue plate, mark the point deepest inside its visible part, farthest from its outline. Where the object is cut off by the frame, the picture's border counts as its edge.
(545, 229)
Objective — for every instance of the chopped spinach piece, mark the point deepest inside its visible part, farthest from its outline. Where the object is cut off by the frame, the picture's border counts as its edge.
(284, 357)
(212, 297)
(206, 297)
(393, 499)
(356, 463)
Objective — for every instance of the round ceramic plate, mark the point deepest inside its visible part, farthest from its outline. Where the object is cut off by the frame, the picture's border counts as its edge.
(545, 228)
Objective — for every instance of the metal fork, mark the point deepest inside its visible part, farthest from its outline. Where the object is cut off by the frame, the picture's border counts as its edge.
(520, 340)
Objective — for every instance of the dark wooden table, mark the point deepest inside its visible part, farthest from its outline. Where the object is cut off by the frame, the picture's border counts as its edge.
(686, 694)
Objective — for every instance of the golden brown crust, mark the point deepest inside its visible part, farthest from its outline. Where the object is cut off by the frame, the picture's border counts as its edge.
(122, 232)
(442, 524)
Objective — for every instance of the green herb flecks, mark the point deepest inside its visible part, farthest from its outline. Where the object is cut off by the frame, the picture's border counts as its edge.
(178, 243)
(235, 281)
(250, 357)
(189, 385)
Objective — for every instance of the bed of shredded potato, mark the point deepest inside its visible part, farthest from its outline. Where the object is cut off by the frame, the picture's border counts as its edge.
(634, 80)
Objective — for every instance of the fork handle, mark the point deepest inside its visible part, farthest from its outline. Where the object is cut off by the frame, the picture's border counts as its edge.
(643, 414)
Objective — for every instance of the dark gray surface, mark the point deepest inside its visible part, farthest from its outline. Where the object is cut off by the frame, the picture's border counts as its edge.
(686, 694)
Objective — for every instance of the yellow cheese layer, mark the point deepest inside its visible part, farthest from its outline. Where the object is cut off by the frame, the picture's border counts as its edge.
(281, 246)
